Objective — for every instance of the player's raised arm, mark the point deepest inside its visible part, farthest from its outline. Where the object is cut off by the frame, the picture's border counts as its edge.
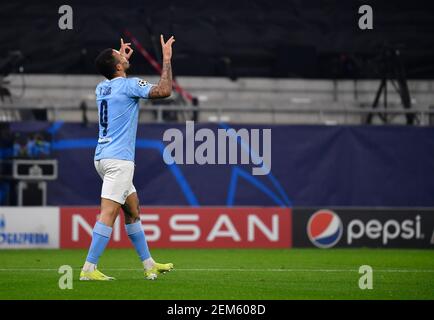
(164, 87)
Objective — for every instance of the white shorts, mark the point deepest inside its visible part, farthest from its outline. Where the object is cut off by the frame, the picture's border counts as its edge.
(117, 176)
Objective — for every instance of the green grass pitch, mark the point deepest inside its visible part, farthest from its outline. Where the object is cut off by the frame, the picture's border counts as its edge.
(224, 274)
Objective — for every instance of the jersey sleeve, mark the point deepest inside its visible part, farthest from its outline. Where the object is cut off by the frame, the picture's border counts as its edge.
(138, 88)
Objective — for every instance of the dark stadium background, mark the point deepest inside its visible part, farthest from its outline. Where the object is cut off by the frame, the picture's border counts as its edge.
(246, 38)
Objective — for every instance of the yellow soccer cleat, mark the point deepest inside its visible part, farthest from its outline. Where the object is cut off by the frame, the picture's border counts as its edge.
(158, 268)
(94, 275)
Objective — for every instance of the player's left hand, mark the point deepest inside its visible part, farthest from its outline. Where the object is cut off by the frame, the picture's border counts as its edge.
(167, 47)
(125, 49)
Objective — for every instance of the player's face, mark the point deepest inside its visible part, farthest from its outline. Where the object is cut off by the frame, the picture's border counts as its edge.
(124, 63)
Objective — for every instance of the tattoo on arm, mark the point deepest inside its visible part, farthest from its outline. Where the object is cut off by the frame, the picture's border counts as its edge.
(164, 87)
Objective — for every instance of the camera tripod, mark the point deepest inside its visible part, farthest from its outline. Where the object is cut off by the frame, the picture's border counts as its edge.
(392, 70)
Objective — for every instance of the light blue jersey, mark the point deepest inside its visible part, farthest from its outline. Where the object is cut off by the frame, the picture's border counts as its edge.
(118, 109)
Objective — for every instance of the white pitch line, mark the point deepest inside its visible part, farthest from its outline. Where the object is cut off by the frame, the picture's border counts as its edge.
(305, 270)
(235, 270)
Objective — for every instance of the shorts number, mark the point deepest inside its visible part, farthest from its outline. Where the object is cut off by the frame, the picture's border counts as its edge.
(103, 116)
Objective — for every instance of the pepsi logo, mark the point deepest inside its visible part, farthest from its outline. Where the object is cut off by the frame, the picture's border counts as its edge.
(324, 228)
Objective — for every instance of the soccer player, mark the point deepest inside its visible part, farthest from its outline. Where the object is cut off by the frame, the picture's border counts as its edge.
(117, 98)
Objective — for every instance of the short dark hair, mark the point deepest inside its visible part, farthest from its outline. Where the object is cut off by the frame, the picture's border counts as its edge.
(106, 63)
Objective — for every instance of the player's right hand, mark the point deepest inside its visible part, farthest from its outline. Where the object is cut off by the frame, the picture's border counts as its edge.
(167, 47)
(124, 48)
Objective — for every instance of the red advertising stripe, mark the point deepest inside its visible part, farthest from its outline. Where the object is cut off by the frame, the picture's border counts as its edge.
(176, 227)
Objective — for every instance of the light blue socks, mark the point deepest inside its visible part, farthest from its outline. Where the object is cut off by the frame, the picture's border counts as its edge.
(100, 238)
(137, 237)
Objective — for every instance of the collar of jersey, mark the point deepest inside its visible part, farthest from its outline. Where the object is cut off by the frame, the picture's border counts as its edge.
(112, 79)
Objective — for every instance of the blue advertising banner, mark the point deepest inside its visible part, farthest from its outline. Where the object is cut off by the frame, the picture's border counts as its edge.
(310, 166)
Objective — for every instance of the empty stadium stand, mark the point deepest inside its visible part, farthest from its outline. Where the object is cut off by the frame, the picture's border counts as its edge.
(247, 38)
